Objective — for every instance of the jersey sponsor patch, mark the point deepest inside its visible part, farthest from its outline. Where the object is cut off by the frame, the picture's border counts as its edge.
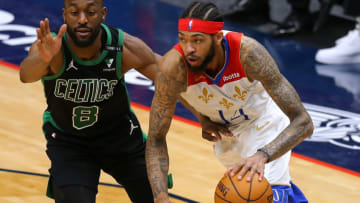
(108, 67)
(231, 76)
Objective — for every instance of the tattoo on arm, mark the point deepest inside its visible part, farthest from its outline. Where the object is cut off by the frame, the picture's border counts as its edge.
(167, 90)
(260, 66)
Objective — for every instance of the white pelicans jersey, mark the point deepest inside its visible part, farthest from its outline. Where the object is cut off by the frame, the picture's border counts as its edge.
(251, 114)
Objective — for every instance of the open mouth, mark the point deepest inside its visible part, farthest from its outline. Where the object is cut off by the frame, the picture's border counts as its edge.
(192, 60)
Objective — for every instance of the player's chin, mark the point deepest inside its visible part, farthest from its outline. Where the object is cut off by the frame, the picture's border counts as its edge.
(196, 69)
(83, 42)
(83, 39)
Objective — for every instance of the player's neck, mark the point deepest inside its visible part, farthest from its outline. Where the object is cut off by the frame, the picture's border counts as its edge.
(91, 52)
(218, 62)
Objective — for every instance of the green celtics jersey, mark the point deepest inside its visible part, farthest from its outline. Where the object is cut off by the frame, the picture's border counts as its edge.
(87, 98)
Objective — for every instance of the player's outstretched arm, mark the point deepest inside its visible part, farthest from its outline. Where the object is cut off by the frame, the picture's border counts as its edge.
(138, 55)
(169, 83)
(42, 53)
(260, 66)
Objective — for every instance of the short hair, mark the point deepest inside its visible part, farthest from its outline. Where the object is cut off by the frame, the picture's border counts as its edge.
(203, 11)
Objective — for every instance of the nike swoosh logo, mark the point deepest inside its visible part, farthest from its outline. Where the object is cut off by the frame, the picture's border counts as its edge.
(258, 128)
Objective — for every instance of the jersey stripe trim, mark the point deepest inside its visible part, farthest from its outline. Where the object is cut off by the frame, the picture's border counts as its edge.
(119, 54)
(227, 53)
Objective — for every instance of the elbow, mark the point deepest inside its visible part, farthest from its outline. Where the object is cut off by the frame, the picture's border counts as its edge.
(309, 126)
(311, 129)
(27, 76)
(23, 78)
(22, 74)
(304, 125)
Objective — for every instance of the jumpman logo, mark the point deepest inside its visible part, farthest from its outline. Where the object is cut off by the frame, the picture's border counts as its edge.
(71, 65)
(132, 127)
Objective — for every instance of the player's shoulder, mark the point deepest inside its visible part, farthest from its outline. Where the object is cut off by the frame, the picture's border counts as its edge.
(173, 55)
(172, 58)
(131, 41)
(137, 47)
(173, 63)
(248, 43)
(245, 42)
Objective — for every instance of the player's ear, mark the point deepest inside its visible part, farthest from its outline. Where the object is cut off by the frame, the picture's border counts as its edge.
(103, 12)
(219, 37)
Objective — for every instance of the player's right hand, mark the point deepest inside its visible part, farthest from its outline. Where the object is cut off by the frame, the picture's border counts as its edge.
(255, 164)
(48, 45)
(212, 131)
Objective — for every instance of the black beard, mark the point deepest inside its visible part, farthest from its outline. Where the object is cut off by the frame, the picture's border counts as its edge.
(83, 43)
(208, 59)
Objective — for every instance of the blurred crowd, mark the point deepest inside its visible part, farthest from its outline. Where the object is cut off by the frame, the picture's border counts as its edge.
(345, 50)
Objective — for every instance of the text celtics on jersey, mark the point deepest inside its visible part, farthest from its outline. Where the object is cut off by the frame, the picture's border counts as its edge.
(84, 90)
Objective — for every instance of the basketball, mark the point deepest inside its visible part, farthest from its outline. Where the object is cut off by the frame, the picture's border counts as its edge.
(230, 189)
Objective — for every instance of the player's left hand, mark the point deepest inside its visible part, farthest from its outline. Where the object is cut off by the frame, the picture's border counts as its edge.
(254, 164)
(212, 131)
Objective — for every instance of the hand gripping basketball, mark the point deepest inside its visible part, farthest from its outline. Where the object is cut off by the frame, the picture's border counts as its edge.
(232, 190)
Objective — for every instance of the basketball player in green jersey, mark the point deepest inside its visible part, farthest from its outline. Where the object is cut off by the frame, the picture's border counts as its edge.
(88, 123)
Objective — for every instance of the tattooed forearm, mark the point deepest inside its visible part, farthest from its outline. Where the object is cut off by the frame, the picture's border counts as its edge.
(157, 162)
(260, 66)
(167, 90)
(297, 131)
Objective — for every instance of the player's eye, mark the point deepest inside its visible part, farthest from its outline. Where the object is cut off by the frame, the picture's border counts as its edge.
(91, 13)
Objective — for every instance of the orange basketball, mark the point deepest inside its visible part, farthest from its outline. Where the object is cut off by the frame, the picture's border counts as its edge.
(231, 190)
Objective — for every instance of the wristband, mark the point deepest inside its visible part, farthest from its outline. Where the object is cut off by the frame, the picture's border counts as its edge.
(263, 150)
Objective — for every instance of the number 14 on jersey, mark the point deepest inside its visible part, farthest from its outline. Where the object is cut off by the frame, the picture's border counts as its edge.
(236, 115)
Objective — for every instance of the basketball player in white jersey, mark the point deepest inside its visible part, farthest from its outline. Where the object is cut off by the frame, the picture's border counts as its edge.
(244, 104)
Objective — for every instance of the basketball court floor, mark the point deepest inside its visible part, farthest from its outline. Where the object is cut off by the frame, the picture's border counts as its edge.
(326, 166)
